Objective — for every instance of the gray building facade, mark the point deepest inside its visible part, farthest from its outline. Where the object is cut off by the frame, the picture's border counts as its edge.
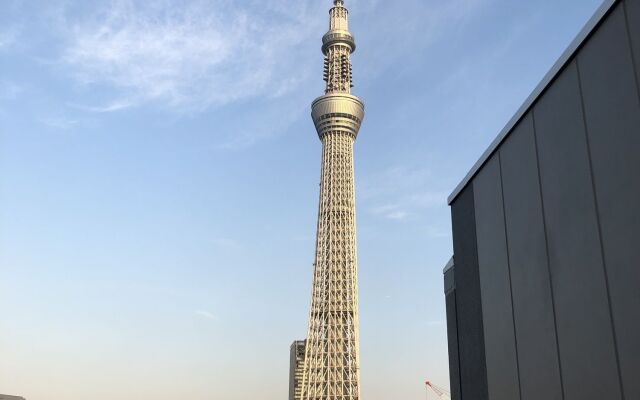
(543, 291)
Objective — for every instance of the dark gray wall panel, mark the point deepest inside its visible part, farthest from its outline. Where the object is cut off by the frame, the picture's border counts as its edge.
(532, 297)
(612, 110)
(449, 281)
(633, 18)
(495, 282)
(452, 333)
(585, 335)
(473, 373)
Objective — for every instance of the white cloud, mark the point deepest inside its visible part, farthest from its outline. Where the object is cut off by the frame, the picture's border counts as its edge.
(196, 54)
(400, 192)
(393, 179)
(190, 54)
(59, 122)
(419, 24)
(206, 314)
(397, 215)
(9, 90)
(226, 243)
(116, 105)
(435, 232)
(391, 211)
(428, 199)
(7, 38)
(265, 123)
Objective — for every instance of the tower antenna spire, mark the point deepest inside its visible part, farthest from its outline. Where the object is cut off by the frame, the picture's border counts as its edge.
(337, 45)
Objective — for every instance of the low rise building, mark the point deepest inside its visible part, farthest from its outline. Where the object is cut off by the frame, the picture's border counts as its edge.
(296, 369)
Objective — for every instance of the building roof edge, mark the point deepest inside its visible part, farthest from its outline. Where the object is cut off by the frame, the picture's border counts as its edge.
(450, 265)
(564, 59)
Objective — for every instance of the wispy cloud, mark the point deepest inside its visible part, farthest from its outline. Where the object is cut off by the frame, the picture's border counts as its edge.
(195, 54)
(264, 124)
(400, 192)
(113, 106)
(190, 54)
(391, 211)
(59, 122)
(394, 180)
(206, 315)
(435, 232)
(8, 38)
(226, 243)
(433, 20)
(9, 90)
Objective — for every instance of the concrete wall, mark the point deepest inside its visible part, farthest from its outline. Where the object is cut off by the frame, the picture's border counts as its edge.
(545, 299)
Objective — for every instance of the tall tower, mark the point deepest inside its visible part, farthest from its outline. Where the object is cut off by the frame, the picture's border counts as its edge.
(332, 365)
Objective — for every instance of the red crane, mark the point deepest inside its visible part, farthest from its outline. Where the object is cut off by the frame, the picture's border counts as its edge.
(439, 392)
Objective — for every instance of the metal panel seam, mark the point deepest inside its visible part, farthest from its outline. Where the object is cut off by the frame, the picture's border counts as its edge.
(634, 62)
(506, 238)
(599, 225)
(455, 297)
(546, 244)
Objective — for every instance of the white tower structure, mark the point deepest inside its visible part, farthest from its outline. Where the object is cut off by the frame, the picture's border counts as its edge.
(332, 365)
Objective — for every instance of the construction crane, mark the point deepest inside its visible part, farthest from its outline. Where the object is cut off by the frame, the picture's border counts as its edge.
(440, 393)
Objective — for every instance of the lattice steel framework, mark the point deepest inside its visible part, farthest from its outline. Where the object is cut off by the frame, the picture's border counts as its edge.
(332, 366)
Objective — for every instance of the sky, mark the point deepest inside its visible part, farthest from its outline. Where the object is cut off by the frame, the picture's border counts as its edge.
(159, 179)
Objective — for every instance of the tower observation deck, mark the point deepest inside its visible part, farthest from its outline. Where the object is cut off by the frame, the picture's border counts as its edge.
(332, 367)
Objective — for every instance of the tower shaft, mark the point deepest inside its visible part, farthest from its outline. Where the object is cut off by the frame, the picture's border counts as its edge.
(332, 366)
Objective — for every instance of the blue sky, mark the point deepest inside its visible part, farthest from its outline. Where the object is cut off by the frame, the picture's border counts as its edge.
(159, 179)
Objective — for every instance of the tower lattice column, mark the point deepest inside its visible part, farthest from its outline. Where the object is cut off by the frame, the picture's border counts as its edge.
(332, 365)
